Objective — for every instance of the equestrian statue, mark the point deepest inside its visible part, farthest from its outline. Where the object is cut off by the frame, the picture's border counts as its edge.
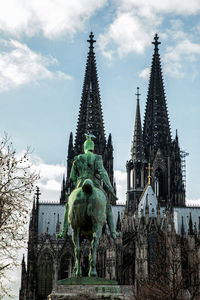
(87, 208)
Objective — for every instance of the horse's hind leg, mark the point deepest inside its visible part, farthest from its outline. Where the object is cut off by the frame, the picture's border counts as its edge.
(92, 257)
(76, 241)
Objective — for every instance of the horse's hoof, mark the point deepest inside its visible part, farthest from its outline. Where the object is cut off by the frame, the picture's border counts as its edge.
(77, 272)
(92, 273)
(114, 235)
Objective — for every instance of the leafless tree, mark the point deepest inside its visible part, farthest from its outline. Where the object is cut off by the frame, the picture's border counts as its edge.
(16, 185)
(173, 271)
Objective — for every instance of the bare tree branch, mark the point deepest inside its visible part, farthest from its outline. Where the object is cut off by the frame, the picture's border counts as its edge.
(16, 185)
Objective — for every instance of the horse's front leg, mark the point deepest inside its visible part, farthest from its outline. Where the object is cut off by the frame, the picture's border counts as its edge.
(93, 252)
(76, 241)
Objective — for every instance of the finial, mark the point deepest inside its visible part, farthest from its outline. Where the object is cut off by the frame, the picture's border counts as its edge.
(37, 193)
(190, 230)
(149, 173)
(138, 94)
(91, 40)
(182, 227)
(156, 42)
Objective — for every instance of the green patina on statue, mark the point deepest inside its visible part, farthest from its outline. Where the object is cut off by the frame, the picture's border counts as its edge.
(87, 208)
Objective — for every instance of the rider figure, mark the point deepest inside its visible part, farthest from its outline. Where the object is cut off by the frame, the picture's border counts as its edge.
(90, 166)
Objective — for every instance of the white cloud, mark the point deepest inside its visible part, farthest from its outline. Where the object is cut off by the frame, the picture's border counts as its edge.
(136, 21)
(145, 73)
(150, 7)
(47, 171)
(120, 178)
(52, 18)
(175, 56)
(129, 33)
(19, 65)
(50, 179)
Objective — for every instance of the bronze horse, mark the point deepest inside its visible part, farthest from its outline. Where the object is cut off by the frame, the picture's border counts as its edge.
(87, 208)
(87, 215)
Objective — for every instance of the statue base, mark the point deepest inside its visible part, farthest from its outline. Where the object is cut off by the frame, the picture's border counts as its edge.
(87, 288)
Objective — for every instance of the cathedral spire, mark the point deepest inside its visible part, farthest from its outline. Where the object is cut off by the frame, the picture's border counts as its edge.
(182, 228)
(70, 155)
(137, 150)
(90, 113)
(190, 226)
(90, 120)
(156, 130)
(63, 191)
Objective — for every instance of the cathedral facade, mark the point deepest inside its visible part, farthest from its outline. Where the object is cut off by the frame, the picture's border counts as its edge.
(156, 227)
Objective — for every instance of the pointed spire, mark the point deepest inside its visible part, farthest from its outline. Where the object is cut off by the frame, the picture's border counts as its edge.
(33, 208)
(90, 114)
(70, 146)
(195, 229)
(190, 229)
(182, 228)
(63, 191)
(176, 137)
(23, 275)
(177, 176)
(70, 158)
(91, 40)
(156, 130)
(137, 146)
(109, 143)
(58, 224)
(156, 42)
(37, 196)
(119, 225)
(23, 263)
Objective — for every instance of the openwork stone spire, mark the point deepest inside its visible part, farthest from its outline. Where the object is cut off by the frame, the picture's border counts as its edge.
(137, 146)
(90, 120)
(90, 113)
(156, 131)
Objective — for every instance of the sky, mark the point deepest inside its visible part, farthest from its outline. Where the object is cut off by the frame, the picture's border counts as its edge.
(43, 51)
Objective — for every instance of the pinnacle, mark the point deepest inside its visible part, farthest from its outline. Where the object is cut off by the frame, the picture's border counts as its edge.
(156, 42)
(156, 130)
(137, 148)
(91, 40)
(90, 113)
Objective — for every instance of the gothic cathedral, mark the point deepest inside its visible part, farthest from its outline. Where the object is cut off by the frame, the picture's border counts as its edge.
(155, 207)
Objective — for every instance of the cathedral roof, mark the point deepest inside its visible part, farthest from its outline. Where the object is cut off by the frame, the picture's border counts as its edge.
(50, 213)
(183, 215)
(149, 201)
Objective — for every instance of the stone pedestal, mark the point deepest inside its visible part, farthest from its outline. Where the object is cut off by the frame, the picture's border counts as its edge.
(85, 288)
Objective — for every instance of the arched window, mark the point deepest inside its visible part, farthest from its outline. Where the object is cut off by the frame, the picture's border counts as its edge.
(66, 266)
(156, 187)
(159, 176)
(45, 275)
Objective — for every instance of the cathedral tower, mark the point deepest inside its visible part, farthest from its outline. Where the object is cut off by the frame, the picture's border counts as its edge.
(155, 146)
(90, 119)
(136, 165)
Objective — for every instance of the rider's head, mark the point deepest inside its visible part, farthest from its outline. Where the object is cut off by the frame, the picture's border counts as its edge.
(89, 144)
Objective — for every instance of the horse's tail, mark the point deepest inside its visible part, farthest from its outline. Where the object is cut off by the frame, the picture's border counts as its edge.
(87, 186)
